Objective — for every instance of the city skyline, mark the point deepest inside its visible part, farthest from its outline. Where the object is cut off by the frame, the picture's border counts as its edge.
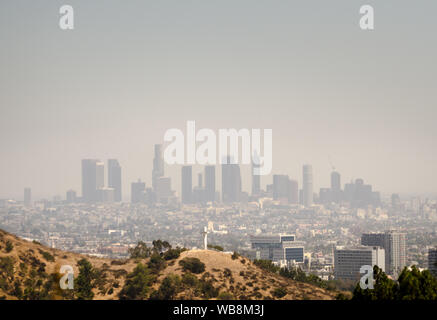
(114, 85)
(113, 182)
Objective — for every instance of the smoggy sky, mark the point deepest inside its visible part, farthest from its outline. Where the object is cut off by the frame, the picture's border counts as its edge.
(133, 69)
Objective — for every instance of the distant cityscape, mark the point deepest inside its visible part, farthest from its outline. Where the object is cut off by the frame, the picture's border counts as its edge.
(331, 233)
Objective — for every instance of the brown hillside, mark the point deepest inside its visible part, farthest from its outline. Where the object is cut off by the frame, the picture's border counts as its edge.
(239, 277)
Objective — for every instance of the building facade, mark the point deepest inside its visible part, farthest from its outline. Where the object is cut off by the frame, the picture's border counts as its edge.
(394, 244)
(278, 248)
(349, 260)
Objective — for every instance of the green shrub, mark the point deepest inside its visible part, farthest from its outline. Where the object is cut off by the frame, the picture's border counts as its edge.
(9, 246)
(208, 290)
(46, 255)
(193, 265)
(168, 289)
(137, 284)
(189, 280)
(7, 266)
(141, 251)
(172, 254)
(279, 292)
(266, 265)
(156, 263)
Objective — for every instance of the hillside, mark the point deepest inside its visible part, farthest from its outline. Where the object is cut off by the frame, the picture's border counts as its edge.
(31, 271)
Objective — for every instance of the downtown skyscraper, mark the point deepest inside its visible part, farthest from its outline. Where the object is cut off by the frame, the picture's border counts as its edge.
(158, 166)
(114, 178)
(209, 183)
(231, 182)
(92, 179)
(307, 186)
(394, 244)
(187, 184)
(27, 197)
(137, 191)
(256, 178)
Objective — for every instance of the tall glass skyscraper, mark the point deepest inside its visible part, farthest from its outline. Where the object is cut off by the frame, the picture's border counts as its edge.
(307, 187)
(114, 178)
(187, 184)
(158, 166)
(92, 179)
(231, 182)
(209, 183)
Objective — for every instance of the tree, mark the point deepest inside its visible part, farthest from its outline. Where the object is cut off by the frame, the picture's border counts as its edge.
(156, 263)
(141, 251)
(411, 285)
(208, 290)
(193, 265)
(168, 289)
(159, 246)
(189, 280)
(9, 246)
(83, 283)
(266, 265)
(384, 288)
(137, 284)
(171, 254)
(417, 285)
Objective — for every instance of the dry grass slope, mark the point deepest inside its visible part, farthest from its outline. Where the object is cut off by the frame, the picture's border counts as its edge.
(238, 278)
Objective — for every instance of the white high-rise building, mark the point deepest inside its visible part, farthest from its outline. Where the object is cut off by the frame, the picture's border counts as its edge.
(349, 260)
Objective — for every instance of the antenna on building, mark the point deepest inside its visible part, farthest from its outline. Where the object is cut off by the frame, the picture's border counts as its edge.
(205, 238)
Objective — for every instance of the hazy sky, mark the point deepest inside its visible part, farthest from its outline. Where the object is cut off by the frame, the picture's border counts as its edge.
(133, 69)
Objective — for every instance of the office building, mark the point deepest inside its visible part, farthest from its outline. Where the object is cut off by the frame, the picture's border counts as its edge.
(114, 178)
(92, 179)
(163, 189)
(210, 183)
(27, 197)
(71, 196)
(349, 260)
(278, 248)
(394, 244)
(158, 166)
(360, 195)
(106, 195)
(336, 192)
(256, 178)
(293, 192)
(137, 191)
(284, 189)
(187, 187)
(231, 182)
(307, 186)
(280, 187)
